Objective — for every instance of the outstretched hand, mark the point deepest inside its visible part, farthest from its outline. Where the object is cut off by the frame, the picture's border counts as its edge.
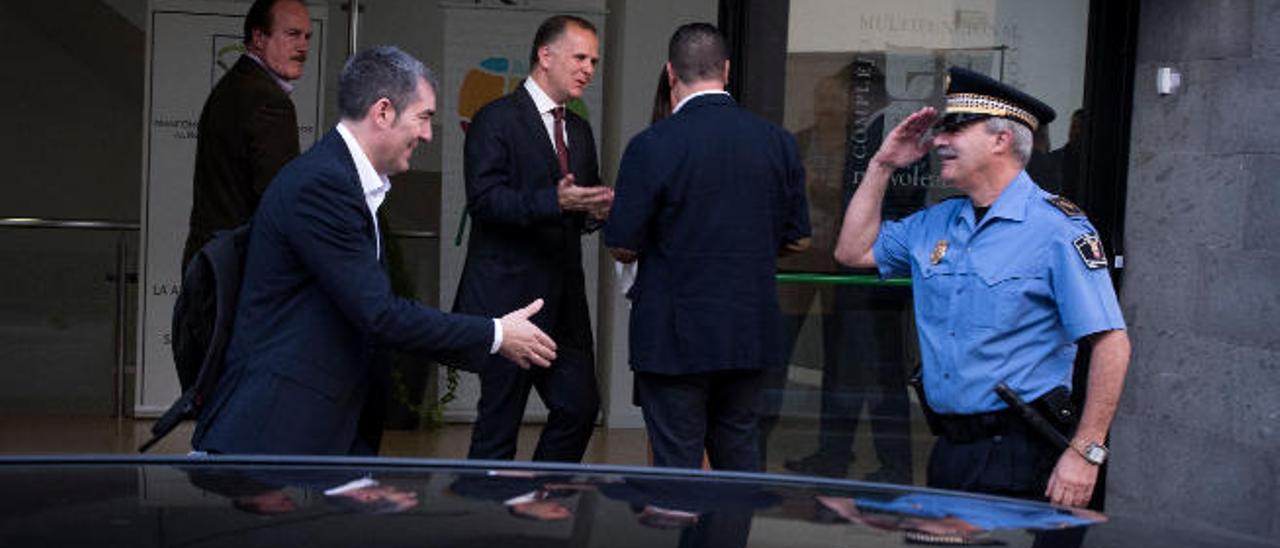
(522, 342)
(593, 199)
(909, 141)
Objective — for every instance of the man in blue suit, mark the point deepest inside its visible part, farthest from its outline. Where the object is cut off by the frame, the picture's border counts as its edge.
(706, 201)
(533, 188)
(304, 370)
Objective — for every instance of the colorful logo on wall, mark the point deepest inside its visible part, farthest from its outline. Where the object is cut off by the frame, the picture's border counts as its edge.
(493, 78)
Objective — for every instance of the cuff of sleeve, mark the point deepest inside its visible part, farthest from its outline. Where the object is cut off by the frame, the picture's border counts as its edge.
(882, 266)
(497, 336)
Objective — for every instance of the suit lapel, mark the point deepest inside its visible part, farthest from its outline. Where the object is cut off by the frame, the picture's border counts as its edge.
(532, 122)
(335, 140)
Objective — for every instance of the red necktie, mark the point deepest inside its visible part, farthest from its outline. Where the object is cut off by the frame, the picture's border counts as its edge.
(562, 153)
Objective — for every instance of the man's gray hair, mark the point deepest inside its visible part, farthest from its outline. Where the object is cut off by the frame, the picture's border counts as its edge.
(1022, 139)
(375, 73)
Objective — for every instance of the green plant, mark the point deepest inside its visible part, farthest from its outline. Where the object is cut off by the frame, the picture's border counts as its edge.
(430, 413)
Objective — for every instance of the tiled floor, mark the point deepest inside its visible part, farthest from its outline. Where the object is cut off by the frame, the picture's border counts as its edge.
(92, 435)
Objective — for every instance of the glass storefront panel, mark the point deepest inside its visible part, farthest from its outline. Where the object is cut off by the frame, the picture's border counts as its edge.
(65, 320)
(853, 70)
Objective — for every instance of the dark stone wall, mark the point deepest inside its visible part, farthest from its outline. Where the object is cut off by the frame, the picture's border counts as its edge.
(1197, 437)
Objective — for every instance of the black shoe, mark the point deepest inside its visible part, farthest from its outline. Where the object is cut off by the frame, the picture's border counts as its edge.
(820, 464)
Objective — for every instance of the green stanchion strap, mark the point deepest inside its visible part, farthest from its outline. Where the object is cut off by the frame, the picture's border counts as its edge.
(839, 279)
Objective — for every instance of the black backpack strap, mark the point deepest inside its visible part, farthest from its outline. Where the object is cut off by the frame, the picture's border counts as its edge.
(203, 317)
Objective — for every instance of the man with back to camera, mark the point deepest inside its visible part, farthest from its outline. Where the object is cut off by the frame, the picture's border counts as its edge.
(533, 188)
(248, 129)
(1007, 278)
(305, 372)
(706, 201)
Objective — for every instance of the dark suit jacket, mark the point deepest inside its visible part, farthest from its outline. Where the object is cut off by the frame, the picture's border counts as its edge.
(314, 309)
(522, 246)
(707, 197)
(248, 130)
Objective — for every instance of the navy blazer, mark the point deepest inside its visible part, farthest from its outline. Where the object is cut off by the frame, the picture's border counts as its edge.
(314, 308)
(522, 246)
(707, 197)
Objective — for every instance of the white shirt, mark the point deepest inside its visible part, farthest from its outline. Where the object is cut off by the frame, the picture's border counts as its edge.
(376, 186)
(544, 105)
(531, 496)
(351, 486)
(698, 94)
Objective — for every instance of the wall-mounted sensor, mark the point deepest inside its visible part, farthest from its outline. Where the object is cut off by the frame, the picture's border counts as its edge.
(1167, 80)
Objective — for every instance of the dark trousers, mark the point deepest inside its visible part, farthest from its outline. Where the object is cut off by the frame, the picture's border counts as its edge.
(717, 410)
(1015, 464)
(568, 388)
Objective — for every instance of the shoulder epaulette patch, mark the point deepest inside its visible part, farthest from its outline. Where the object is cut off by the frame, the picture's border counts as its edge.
(1090, 249)
(1072, 210)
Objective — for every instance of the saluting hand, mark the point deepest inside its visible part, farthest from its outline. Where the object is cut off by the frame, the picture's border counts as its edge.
(909, 141)
(522, 342)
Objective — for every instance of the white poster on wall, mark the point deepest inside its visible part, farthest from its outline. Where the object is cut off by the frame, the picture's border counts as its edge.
(486, 55)
(190, 44)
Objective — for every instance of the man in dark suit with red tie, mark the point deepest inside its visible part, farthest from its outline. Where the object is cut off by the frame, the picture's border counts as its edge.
(533, 188)
(707, 200)
(248, 128)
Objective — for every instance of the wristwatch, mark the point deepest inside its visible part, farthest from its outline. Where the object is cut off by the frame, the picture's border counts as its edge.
(1093, 452)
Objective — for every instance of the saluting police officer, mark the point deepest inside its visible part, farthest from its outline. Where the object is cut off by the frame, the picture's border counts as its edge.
(1007, 278)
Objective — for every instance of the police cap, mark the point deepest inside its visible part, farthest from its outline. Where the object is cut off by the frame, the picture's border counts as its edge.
(974, 96)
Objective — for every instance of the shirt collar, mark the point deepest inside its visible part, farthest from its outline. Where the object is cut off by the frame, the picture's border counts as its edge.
(1011, 204)
(374, 184)
(284, 84)
(698, 94)
(540, 98)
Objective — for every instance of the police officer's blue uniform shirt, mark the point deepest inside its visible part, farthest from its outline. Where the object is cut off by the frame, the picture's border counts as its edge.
(1002, 301)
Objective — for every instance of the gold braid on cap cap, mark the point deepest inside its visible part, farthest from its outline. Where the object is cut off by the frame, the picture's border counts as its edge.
(991, 106)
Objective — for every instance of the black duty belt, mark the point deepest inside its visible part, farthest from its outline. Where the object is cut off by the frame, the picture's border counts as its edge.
(970, 428)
